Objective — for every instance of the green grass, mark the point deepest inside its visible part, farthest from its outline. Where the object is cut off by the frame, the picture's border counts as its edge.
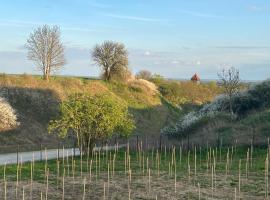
(253, 187)
(259, 155)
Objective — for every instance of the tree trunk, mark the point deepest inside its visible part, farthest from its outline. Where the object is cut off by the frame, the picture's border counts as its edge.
(188, 142)
(47, 77)
(231, 109)
(87, 145)
(107, 74)
(46, 74)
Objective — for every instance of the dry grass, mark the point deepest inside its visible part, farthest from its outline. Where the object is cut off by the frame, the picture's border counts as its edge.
(63, 87)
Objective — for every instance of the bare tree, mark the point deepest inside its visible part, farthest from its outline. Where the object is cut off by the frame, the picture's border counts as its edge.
(229, 79)
(112, 57)
(144, 74)
(46, 49)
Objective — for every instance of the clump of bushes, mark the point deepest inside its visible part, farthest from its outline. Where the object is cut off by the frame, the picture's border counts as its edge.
(254, 98)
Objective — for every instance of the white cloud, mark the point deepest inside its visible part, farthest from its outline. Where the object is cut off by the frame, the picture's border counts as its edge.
(206, 61)
(255, 8)
(99, 5)
(175, 62)
(65, 27)
(243, 47)
(134, 18)
(147, 53)
(18, 23)
(253, 64)
(200, 14)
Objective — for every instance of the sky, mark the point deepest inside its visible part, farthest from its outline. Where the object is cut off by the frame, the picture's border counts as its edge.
(173, 38)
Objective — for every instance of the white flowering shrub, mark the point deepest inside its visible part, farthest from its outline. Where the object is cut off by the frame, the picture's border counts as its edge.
(182, 126)
(8, 117)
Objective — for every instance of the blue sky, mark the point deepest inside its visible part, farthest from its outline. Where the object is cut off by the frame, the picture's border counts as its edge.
(174, 38)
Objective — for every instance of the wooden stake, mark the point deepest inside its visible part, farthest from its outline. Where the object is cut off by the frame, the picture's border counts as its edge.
(84, 183)
(63, 185)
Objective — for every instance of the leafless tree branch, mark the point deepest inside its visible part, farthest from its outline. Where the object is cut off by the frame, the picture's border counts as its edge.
(46, 50)
(112, 57)
(229, 79)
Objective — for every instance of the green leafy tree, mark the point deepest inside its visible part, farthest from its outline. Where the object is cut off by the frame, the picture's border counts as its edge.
(91, 118)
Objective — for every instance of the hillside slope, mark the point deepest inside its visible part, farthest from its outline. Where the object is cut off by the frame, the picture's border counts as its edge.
(213, 124)
(254, 127)
(37, 101)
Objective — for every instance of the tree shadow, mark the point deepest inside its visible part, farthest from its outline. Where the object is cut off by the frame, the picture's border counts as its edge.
(34, 107)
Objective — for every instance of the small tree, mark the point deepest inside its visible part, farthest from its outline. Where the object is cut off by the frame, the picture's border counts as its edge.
(46, 50)
(91, 118)
(113, 58)
(144, 74)
(229, 79)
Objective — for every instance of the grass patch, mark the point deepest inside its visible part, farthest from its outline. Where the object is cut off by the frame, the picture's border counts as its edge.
(162, 175)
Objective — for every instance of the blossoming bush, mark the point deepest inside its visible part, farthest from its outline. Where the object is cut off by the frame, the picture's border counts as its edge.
(8, 117)
(188, 122)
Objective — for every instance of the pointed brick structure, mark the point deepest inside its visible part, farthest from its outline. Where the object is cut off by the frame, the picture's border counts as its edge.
(195, 78)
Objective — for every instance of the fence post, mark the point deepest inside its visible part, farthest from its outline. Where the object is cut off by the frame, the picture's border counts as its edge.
(74, 146)
(146, 143)
(160, 137)
(40, 152)
(17, 154)
(58, 151)
(137, 143)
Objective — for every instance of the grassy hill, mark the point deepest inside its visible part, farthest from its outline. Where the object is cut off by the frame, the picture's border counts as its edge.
(152, 105)
(185, 92)
(213, 124)
(36, 102)
(254, 126)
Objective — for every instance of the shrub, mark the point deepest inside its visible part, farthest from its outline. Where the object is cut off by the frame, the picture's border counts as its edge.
(256, 97)
(262, 92)
(91, 118)
(245, 102)
(144, 74)
(8, 117)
